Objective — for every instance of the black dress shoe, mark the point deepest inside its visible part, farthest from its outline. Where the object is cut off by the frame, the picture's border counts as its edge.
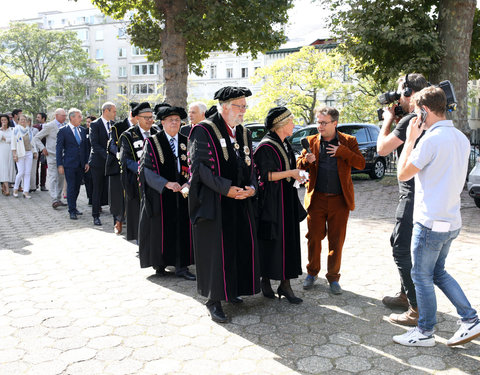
(78, 212)
(43, 188)
(187, 275)
(266, 287)
(216, 312)
(96, 221)
(236, 300)
(73, 216)
(289, 296)
(161, 272)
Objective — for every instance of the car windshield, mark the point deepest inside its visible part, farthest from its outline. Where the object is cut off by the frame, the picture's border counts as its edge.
(257, 132)
(357, 131)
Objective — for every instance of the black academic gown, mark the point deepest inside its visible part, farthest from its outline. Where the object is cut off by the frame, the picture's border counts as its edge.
(131, 150)
(224, 232)
(164, 231)
(279, 211)
(116, 194)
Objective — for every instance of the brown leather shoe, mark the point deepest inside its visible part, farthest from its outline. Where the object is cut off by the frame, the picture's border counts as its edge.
(408, 318)
(117, 229)
(400, 301)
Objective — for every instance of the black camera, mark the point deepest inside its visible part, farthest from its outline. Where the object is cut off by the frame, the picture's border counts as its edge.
(388, 97)
(449, 91)
(398, 112)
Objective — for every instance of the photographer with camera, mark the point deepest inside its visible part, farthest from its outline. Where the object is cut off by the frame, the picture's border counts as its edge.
(402, 232)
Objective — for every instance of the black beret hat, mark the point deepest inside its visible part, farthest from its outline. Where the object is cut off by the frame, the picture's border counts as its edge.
(211, 111)
(141, 108)
(133, 105)
(164, 112)
(160, 105)
(275, 115)
(228, 93)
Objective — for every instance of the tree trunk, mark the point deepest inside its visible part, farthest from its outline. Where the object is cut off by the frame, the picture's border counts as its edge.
(175, 65)
(455, 26)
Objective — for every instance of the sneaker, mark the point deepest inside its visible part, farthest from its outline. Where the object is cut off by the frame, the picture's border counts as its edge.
(335, 288)
(309, 281)
(399, 301)
(408, 318)
(467, 332)
(414, 338)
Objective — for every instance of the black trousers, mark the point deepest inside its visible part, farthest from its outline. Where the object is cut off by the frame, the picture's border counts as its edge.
(99, 190)
(400, 240)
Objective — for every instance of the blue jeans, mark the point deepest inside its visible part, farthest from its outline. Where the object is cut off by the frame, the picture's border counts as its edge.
(430, 250)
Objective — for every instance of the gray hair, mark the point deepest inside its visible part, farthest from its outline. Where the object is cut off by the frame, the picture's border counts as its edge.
(58, 110)
(282, 123)
(107, 105)
(201, 106)
(220, 106)
(72, 111)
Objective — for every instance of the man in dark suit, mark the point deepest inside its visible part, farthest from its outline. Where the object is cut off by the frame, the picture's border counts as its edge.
(72, 157)
(329, 197)
(99, 134)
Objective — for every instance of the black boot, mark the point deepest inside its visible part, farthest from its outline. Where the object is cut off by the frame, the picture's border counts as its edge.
(216, 312)
(267, 290)
(286, 290)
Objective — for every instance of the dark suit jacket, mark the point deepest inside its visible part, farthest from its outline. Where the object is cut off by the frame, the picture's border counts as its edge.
(348, 155)
(70, 154)
(98, 140)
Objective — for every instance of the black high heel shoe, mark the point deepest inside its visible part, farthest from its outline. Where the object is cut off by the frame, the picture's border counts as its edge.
(267, 290)
(291, 298)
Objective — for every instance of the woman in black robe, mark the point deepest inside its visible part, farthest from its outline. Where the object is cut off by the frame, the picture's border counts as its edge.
(279, 208)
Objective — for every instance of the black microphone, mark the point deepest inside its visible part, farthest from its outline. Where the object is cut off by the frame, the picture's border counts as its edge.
(305, 145)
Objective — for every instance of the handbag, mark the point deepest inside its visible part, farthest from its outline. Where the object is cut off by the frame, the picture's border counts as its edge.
(112, 164)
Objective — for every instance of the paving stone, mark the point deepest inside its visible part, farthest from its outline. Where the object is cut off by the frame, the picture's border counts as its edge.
(90, 367)
(428, 361)
(352, 363)
(314, 365)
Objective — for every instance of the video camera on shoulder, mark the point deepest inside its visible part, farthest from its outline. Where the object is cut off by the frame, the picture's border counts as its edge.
(393, 96)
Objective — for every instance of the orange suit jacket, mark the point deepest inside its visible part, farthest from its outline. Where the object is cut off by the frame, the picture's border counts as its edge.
(348, 155)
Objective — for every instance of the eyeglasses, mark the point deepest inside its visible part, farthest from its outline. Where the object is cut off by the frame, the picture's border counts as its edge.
(148, 118)
(324, 123)
(242, 107)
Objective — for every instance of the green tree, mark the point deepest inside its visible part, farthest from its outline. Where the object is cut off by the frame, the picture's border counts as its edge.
(303, 80)
(182, 33)
(433, 37)
(37, 65)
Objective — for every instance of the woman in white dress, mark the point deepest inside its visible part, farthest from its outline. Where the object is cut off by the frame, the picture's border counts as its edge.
(7, 166)
(23, 153)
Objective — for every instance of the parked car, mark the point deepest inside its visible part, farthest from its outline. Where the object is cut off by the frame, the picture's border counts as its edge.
(473, 183)
(366, 135)
(258, 130)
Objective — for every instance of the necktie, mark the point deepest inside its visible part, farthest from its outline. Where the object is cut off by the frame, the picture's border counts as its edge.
(77, 135)
(172, 145)
(108, 125)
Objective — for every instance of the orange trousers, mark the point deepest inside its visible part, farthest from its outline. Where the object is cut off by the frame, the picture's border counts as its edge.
(327, 216)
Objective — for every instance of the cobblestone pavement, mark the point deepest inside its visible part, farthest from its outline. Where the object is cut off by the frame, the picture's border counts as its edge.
(73, 300)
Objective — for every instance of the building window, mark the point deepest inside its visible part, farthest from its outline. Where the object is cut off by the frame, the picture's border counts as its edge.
(99, 54)
(122, 71)
(59, 92)
(244, 72)
(87, 50)
(121, 32)
(137, 51)
(82, 35)
(122, 89)
(213, 71)
(99, 35)
(143, 88)
(122, 52)
(229, 72)
(346, 75)
(144, 69)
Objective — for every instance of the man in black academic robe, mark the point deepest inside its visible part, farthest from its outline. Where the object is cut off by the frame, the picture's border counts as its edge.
(131, 149)
(220, 204)
(164, 231)
(116, 194)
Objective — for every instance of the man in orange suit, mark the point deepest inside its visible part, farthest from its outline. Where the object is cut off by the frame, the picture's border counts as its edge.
(329, 197)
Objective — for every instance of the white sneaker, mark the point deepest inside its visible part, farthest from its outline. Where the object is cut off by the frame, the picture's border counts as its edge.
(467, 332)
(414, 338)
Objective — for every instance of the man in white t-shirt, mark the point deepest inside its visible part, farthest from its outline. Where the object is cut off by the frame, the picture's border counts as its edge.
(439, 164)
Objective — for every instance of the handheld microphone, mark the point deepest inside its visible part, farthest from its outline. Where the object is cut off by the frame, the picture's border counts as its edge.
(305, 145)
